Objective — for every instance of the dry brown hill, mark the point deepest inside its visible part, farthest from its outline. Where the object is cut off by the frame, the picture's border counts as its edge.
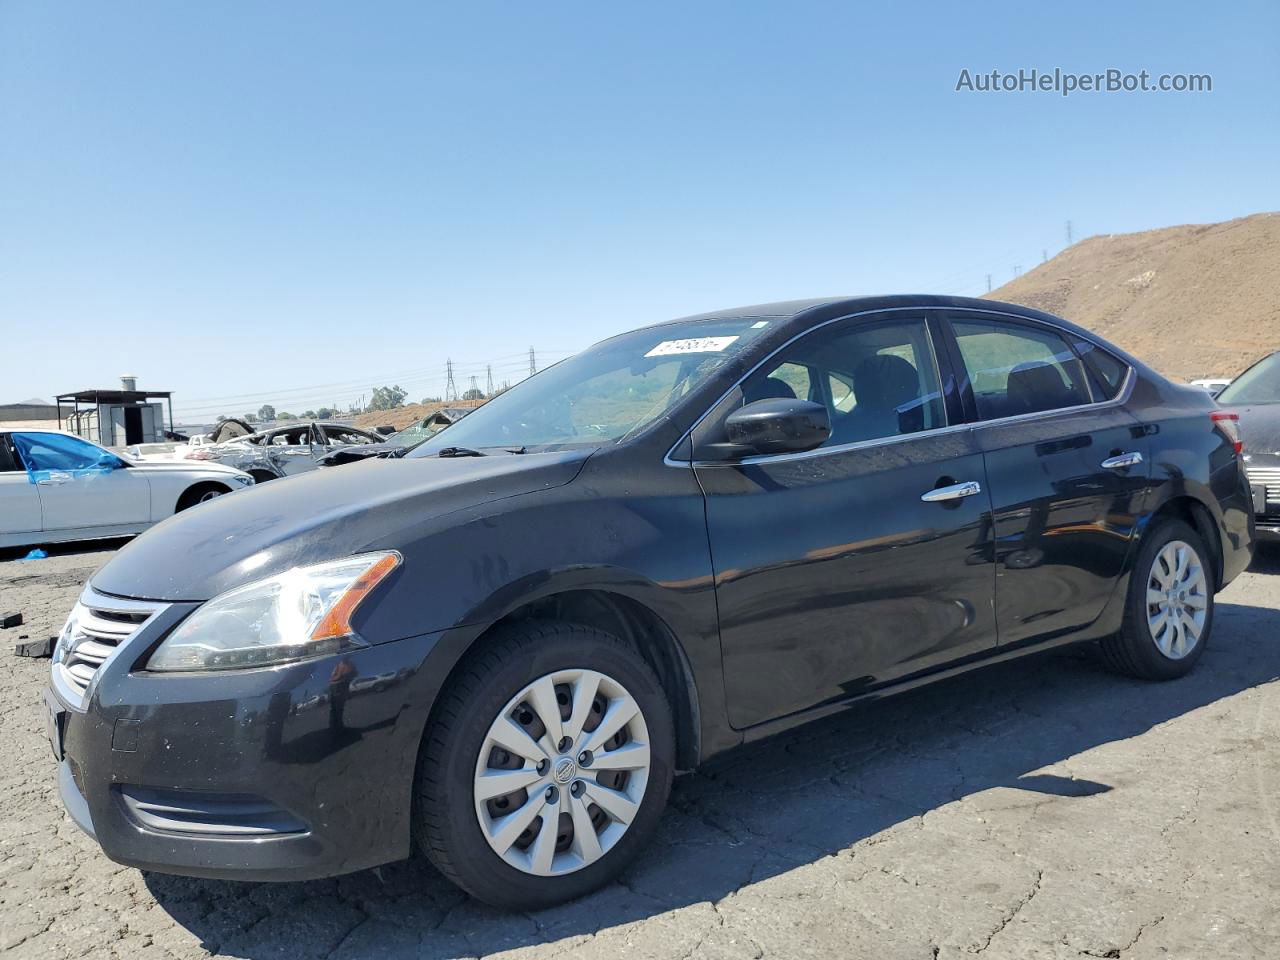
(401, 417)
(1191, 301)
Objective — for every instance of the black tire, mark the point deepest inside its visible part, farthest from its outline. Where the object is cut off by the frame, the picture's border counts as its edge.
(1133, 650)
(200, 493)
(446, 827)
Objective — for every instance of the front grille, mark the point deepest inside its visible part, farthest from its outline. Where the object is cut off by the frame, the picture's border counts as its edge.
(98, 626)
(1268, 477)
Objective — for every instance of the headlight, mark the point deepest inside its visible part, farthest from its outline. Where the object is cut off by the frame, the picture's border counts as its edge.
(304, 612)
(245, 479)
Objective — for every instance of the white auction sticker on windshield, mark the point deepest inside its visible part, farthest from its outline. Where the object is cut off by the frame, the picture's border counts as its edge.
(693, 345)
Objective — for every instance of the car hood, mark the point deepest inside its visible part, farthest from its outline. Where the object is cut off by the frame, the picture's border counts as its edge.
(1260, 425)
(317, 516)
(196, 466)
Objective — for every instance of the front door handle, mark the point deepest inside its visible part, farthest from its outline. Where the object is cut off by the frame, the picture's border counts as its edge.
(1123, 460)
(954, 492)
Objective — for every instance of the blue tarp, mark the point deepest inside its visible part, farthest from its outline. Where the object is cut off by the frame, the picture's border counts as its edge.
(44, 454)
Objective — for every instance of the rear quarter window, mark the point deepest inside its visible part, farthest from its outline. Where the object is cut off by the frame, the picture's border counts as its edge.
(1106, 370)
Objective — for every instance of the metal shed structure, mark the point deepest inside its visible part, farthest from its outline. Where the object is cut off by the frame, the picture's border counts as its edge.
(116, 418)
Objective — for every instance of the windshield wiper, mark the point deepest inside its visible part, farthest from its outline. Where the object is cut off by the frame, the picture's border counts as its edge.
(460, 452)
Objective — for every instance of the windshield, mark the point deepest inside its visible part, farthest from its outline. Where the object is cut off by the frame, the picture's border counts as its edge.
(605, 393)
(1259, 384)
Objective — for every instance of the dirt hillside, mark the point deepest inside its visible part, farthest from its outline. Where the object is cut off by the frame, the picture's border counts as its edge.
(401, 417)
(1191, 301)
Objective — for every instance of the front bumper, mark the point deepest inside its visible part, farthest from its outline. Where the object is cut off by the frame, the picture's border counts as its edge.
(287, 773)
(1267, 530)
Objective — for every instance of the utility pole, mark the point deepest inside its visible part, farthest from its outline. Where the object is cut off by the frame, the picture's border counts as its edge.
(488, 380)
(533, 363)
(1068, 233)
(1017, 269)
(450, 388)
(988, 283)
(1044, 255)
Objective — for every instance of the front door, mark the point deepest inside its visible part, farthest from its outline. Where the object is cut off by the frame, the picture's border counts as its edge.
(81, 485)
(1068, 473)
(834, 574)
(19, 502)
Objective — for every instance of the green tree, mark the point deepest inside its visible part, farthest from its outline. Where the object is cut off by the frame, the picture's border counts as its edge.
(266, 412)
(250, 418)
(475, 393)
(282, 415)
(308, 414)
(326, 413)
(387, 398)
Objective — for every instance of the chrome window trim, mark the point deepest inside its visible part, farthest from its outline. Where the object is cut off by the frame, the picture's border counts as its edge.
(1121, 397)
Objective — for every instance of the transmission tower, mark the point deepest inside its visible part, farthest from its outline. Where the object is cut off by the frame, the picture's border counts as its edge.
(450, 388)
(473, 389)
(488, 380)
(988, 283)
(1068, 233)
(533, 363)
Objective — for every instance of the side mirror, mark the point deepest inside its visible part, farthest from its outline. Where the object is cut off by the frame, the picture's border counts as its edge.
(779, 425)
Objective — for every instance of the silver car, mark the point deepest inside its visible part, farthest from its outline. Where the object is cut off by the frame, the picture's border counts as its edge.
(283, 451)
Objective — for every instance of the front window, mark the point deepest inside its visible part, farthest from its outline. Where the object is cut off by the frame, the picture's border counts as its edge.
(1259, 384)
(606, 393)
(55, 451)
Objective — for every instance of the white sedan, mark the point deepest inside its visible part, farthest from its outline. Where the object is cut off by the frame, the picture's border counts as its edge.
(55, 486)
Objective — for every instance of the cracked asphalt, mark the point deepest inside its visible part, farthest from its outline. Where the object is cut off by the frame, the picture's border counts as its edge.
(1038, 809)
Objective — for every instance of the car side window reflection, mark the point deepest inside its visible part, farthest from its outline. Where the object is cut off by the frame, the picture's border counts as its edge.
(1016, 370)
(876, 380)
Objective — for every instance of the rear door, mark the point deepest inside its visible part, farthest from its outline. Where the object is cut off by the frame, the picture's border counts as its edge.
(1067, 465)
(833, 574)
(19, 501)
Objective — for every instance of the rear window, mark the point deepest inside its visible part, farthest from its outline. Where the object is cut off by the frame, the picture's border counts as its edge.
(1016, 370)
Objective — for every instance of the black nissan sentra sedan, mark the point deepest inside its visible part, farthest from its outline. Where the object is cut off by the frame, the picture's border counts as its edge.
(498, 649)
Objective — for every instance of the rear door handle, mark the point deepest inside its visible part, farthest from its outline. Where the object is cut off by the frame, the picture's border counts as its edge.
(1122, 461)
(954, 492)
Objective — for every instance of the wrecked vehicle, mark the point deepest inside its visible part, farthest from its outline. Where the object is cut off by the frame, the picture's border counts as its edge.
(280, 452)
(398, 444)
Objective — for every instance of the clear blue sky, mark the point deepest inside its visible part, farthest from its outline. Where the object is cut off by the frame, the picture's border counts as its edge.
(293, 202)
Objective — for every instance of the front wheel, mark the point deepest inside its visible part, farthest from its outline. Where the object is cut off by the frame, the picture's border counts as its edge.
(200, 493)
(545, 767)
(1169, 608)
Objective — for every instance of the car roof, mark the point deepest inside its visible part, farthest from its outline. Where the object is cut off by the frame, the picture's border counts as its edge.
(836, 305)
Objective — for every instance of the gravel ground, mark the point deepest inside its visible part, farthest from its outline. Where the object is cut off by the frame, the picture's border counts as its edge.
(1039, 809)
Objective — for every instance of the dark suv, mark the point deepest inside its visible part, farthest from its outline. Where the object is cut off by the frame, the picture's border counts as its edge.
(498, 649)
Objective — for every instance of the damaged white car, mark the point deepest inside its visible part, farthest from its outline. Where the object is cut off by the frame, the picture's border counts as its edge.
(279, 452)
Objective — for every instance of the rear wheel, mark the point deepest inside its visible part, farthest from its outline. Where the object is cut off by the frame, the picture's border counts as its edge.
(1169, 608)
(546, 765)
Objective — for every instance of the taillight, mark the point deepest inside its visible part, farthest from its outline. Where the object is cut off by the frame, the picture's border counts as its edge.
(1230, 424)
